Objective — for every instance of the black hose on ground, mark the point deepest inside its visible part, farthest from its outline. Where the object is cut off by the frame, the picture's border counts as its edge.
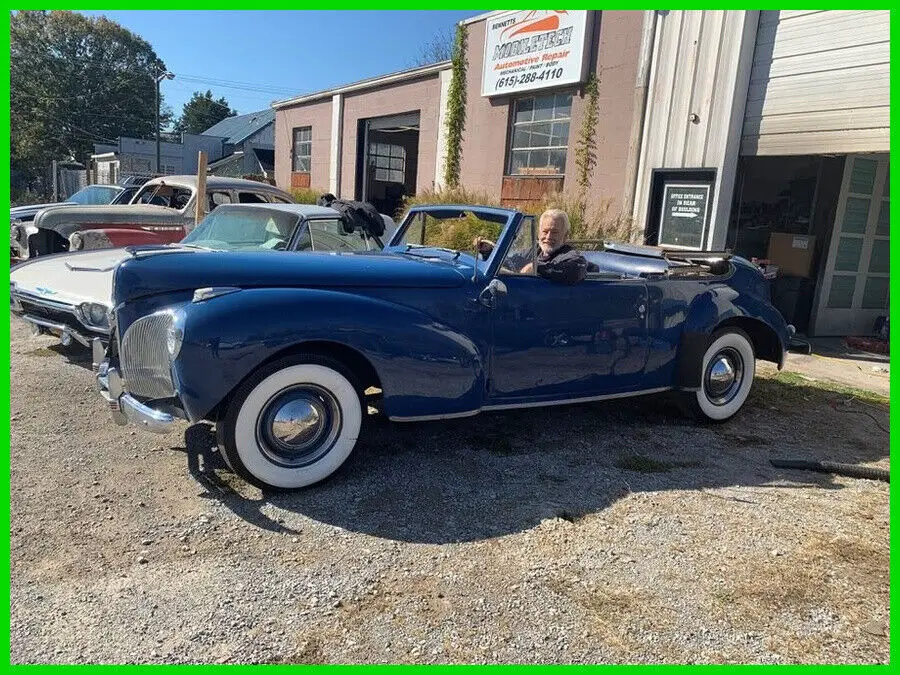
(849, 470)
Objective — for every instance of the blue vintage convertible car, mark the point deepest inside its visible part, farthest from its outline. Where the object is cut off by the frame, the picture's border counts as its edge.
(278, 354)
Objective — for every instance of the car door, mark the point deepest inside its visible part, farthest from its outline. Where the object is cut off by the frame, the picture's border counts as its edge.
(553, 341)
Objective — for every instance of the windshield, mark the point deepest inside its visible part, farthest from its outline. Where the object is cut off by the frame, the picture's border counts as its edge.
(244, 228)
(455, 231)
(95, 194)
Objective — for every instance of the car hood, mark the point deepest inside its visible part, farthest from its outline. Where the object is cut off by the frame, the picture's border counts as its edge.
(70, 277)
(28, 211)
(162, 270)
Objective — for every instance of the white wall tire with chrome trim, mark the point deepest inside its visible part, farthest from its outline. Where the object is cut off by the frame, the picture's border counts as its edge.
(729, 366)
(291, 424)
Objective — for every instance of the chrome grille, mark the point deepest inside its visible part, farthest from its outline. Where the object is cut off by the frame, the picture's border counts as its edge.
(145, 359)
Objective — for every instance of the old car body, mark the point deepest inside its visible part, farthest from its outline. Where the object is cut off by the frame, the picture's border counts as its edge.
(161, 212)
(276, 354)
(21, 227)
(70, 294)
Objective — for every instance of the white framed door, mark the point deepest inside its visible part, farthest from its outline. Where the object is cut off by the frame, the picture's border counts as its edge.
(854, 288)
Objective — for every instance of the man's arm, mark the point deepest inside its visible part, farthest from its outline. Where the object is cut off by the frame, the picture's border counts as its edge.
(568, 268)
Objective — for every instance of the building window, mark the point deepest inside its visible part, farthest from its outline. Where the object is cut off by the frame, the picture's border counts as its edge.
(302, 149)
(389, 162)
(540, 135)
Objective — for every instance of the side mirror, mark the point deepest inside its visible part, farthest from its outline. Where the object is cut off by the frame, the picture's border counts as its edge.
(495, 290)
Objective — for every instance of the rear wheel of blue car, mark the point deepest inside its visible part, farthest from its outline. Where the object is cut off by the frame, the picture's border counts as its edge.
(292, 423)
(728, 369)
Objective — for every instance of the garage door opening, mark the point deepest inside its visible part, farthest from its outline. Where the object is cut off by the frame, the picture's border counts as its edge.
(387, 160)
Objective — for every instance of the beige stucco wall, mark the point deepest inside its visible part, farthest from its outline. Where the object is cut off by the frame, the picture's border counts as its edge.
(422, 95)
(484, 141)
(317, 115)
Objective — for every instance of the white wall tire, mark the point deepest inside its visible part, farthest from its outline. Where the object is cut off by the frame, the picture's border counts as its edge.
(291, 424)
(728, 369)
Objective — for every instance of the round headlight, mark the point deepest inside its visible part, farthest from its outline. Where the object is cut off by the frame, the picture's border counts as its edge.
(97, 314)
(175, 334)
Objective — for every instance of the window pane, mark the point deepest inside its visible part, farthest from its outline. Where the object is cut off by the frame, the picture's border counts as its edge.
(559, 134)
(540, 135)
(880, 260)
(522, 137)
(539, 159)
(397, 163)
(543, 108)
(563, 106)
(841, 294)
(884, 218)
(381, 174)
(301, 164)
(862, 180)
(856, 215)
(519, 160)
(875, 294)
(524, 110)
(396, 176)
(848, 252)
(558, 160)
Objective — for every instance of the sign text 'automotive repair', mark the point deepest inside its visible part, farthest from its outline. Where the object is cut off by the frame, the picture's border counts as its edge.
(533, 49)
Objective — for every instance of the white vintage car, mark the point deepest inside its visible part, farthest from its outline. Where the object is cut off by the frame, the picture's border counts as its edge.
(161, 212)
(70, 294)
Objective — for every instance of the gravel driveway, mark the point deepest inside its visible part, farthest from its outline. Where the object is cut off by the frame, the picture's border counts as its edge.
(602, 533)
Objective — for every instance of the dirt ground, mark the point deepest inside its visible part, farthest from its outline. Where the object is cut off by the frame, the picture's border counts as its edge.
(604, 533)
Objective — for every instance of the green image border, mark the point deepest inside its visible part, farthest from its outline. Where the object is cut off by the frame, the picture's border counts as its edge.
(375, 669)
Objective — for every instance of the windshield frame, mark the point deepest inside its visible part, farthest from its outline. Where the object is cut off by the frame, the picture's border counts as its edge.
(509, 218)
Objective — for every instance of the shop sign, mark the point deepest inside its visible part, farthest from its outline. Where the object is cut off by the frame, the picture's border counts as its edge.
(534, 49)
(683, 220)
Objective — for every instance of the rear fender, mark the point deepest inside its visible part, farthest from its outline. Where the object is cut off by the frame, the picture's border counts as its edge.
(424, 368)
(719, 308)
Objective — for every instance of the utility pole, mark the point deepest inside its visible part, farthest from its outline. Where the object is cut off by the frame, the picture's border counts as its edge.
(160, 76)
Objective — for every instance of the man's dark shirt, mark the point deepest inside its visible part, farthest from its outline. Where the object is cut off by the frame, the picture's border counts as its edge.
(564, 265)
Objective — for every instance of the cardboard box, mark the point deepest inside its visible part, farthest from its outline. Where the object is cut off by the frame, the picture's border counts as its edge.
(792, 253)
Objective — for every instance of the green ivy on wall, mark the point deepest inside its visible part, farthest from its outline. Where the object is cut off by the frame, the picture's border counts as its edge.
(456, 108)
(586, 145)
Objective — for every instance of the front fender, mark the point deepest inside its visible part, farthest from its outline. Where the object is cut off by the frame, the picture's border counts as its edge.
(425, 368)
(112, 237)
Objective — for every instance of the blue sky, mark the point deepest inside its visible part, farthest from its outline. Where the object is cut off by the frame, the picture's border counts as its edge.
(274, 55)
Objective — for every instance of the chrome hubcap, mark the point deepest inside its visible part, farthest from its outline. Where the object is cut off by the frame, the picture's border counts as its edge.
(299, 425)
(724, 376)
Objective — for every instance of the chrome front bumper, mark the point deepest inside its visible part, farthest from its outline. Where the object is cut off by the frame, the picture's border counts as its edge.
(126, 409)
(61, 330)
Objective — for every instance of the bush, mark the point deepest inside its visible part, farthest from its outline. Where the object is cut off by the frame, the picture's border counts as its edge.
(306, 195)
(26, 197)
(589, 223)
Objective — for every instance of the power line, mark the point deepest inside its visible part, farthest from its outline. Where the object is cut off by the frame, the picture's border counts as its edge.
(235, 84)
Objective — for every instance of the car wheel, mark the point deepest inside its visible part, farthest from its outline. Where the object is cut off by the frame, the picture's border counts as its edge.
(729, 365)
(291, 424)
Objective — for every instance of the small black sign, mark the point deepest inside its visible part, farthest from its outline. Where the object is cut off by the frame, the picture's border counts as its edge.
(683, 220)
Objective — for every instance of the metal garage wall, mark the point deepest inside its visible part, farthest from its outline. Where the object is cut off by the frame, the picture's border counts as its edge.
(695, 107)
(820, 83)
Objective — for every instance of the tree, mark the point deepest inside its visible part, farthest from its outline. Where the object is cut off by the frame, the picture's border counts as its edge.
(76, 81)
(438, 48)
(201, 112)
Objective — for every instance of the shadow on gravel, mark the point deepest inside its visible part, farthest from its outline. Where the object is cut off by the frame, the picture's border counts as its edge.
(76, 354)
(501, 473)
